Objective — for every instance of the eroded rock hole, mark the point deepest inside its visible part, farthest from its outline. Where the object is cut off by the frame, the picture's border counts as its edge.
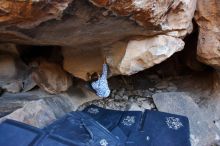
(30, 53)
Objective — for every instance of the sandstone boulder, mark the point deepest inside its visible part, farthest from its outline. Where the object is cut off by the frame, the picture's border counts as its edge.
(24, 13)
(12, 72)
(39, 108)
(208, 18)
(122, 57)
(168, 15)
(88, 33)
(9, 47)
(51, 77)
(142, 54)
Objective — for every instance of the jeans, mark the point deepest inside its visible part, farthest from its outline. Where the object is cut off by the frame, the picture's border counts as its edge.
(119, 123)
(106, 128)
(161, 129)
(82, 130)
(152, 128)
(75, 129)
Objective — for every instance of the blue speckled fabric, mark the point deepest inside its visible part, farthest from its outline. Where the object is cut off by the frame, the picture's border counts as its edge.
(101, 85)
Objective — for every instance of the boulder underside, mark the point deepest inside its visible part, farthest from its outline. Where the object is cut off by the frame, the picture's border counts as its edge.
(131, 35)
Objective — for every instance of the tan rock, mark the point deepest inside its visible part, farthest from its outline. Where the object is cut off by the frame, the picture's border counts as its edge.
(7, 66)
(9, 47)
(81, 25)
(51, 77)
(169, 14)
(24, 13)
(88, 33)
(122, 57)
(81, 61)
(142, 54)
(13, 86)
(208, 19)
(39, 109)
(12, 72)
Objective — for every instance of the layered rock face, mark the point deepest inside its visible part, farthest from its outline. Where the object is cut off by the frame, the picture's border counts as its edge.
(167, 15)
(12, 72)
(28, 14)
(132, 34)
(208, 18)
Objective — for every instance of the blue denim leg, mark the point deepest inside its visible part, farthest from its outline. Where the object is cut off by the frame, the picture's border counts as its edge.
(82, 130)
(130, 121)
(50, 140)
(108, 118)
(14, 133)
(119, 135)
(120, 123)
(160, 128)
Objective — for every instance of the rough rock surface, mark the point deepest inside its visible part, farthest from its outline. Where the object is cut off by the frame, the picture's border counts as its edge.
(51, 77)
(24, 13)
(202, 132)
(168, 15)
(142, 54)
(39, 109)
(12, 72)
(121, 99)
(208, 18)
(100, 32)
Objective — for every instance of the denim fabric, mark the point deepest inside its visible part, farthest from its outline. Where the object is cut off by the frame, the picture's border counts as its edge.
(130, 121)
(120, 135)
(13, 133)
(119, 123)
(126, 128)
(108, 118)
(161, 129)
(82, 130)
(153, 128)
(50, 140)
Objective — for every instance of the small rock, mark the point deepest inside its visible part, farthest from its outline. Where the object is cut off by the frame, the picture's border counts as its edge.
(141, 99)
(131, 99)
(13, 87)
(140, 92)
(152, 106)
(114, 91)
(171, 84)
(125, 97)
(105, 13)
(162, 85)
(172, 88)
(146, 105)
(159, 91)
(28, 83)
(117, 97)
(135, 107)
(154, 77)
(129, 93)
(136, 92)
(146, 93)
(121, 92)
